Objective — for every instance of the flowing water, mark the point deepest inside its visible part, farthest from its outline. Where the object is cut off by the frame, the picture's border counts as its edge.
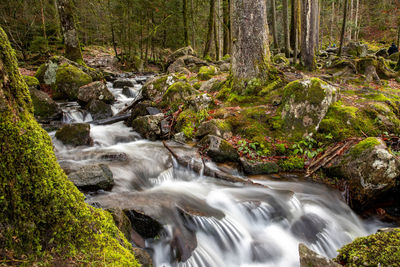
(236, 225)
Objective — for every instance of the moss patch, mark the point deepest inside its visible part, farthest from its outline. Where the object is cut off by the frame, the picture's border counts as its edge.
(68, 80)
(366, 144)
(206, 72)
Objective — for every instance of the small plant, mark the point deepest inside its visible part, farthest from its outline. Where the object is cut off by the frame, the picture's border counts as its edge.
(252, 149)
(308, 147)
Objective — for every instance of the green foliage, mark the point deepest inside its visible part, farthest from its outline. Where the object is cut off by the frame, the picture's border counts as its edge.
(308, 147)
(39, 45)
(292, 163)
(188, 121)
(380, 249)
(252, 149)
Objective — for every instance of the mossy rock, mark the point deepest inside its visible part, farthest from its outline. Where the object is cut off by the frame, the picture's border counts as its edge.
(32, 82)
(280, 59)
(219, 150)
(304, 105)
(45, 109)
(75, 134)
(252, 167)
(176, 94)
(155, 88)
(207, 72)
(148, 126)
(99, 110)
(44, 219)
(380, 249)
(68, 81)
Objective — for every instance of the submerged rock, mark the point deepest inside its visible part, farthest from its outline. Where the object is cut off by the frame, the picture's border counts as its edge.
(75, 134)
(92, 177)
(369, 169)
(305, 104)
(309, 258)
(95, 91)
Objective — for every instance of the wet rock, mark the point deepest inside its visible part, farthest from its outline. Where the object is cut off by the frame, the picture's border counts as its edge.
(143, 108)
(153, 111)
(184, 51)
(214, 127)
(123, 83)
(180, 138)
(122, 222)
(255, 168)
(95, 91)
(143, 257)
(165, 127)
(218, 149)
(92, 177)
(148, 126)
(99, 110)
(307, 227)
(305, 104)
(369, 169)
(309, 258)
(356, 49)
(126, 91)
(114, 157)
(44, 108)
(382, 53)
(75, 134)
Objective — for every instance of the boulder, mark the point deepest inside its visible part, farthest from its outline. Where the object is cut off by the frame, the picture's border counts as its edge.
(210, 85)
(382, 53)
(356, 49)
(143, 108)
(177, 66)
(92, 177)
(184, 51)
(309, 258)
(369, 169)
(126, 91)
(143, 257)
(148, 126)
(258, 167)
(218, 149)
(75, 134)
(177, 94)
(99, 110)
(214, 127)
(155, 88)
(206, 72)
(200, 102)
(305, 104)
(121, 83)
(44, 108)
(95, 91)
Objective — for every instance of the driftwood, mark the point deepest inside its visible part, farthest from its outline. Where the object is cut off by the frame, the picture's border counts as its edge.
(330, 154)
(208, 171)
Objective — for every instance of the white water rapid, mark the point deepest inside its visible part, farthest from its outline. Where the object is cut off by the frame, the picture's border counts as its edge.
(254, 225)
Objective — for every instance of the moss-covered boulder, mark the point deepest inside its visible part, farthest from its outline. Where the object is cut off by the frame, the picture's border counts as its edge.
(75, 134)
(215, 127)
(99, 110)
(44, 219)
(95, 91)
(184, 51)
(218, 149)
(356, 49)
(207, 72)
(281, 60)
(148, 126)
(369, 168)
(44, 108)
(177, 94)
(304, 104)
(155, 88)
(380, 249)
(253, 167)
(32, 82)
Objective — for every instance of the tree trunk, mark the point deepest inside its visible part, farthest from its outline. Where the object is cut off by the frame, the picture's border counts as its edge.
(193, 30)
(309, 31)
(42, 212)
(356, 20)
(296, 25)
(44, 24)
(332, 23)
(216, 39)
(350, 30)
(250, 51)
(71, 41)
(185, 25)
(286, 30)
(292, 26)
(226, 17)
(274, 29)
(343, 32)
(210, 29)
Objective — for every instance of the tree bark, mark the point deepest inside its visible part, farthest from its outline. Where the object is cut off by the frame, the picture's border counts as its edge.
(193, 30)
(250, 51)
(350, 30)
(71, 41)
(309, 32)
(343, 32)
(42, 212)
(286, 30)
(332, 23)
(44, 24)
(292, 26)
(216, 39)
(226, 17)
(296, 25)
(274, 29)
(210, 29)
(185, 24)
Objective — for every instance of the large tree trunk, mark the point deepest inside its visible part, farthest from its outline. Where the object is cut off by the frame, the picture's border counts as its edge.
(42, 212)
(274, 29)
(226, 15)
(286, 30)
(210, 29)
(185, 24)
(71, 41)
(250, 51)
(309, 32)
(344, 24)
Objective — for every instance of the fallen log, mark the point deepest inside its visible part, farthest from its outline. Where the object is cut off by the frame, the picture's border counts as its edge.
(114, 119)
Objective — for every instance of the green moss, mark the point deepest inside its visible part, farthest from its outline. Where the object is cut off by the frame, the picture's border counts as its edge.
(206, 72)
(41, 72)
(366, 144)
(381, 249)
(32, 82)
(291, 163)
(377, 97)
(226, 57)
(68, 80)
(280, 59)
(176, 95)
(42, 214)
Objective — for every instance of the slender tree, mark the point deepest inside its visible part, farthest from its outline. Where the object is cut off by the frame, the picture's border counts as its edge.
(356, 20)
(332, 22)
(71, 41)
(250, 51)
(273, 24)
(309, 32)
(286, 30)
(210, 23)
(297, 27)
(185, 24)
(226, 27)
(344, 24)
(292, 26)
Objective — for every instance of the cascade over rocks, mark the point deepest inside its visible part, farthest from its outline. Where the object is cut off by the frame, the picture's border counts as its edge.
(369, 169)
(305, 103)
(99, 109)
